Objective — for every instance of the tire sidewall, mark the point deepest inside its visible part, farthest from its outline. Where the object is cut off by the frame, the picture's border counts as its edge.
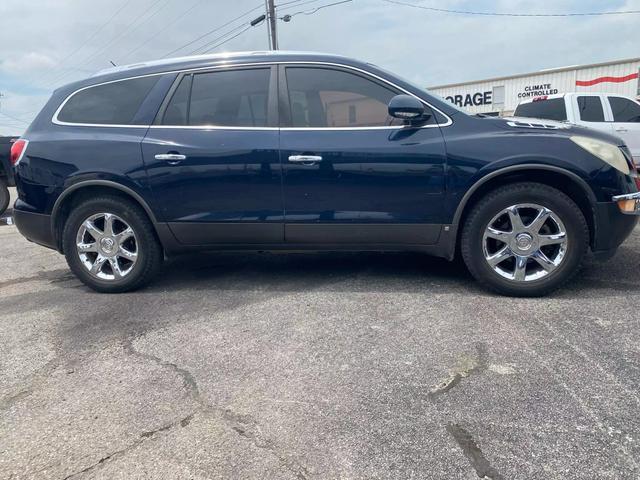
(561, 205)
(129, 215)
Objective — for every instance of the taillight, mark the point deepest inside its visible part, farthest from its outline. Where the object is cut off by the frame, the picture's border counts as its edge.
(17, 150)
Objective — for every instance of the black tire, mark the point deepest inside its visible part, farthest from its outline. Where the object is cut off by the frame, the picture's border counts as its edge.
(149, 251)
(577, 235)
(4, 196)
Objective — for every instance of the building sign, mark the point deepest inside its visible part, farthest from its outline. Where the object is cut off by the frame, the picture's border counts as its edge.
(471, 99)
(537, 90)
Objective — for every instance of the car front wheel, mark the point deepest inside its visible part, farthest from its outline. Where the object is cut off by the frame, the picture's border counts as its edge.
(524, 239)
(110, 245)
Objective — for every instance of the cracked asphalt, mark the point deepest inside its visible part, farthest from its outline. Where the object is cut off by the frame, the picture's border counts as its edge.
(302, 366)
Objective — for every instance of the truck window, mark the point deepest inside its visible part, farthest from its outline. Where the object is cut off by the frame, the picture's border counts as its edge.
(624, 110)
(552, 109)
(590, 109)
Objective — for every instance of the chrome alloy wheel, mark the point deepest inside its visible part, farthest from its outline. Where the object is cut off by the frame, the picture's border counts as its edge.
(107, 246)
(525, 242)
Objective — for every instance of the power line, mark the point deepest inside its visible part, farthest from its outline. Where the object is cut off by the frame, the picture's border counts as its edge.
(289, 7)
(15, 118)
(95, 33)
(288, 17)
(163, 29)
(497, 14)
(129, 29)
(208, 45)
(113, 39)
(229, 39)
(288, 3)
(212, 31)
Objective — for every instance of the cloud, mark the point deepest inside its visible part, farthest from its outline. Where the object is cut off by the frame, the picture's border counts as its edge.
(63, 40)
(28, 63)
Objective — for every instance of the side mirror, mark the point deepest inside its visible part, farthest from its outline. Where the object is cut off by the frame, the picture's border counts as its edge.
(406, 107)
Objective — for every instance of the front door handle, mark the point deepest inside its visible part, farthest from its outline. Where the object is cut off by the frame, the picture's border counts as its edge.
(305, 158)
(621, 130)
(171, 158)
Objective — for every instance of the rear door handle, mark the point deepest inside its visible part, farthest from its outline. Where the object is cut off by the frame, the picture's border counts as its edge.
(621, 129)
(305, 158)
(171, 158)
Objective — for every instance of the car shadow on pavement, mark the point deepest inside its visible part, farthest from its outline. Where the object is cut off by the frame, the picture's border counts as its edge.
(369, 271)
(302, 271)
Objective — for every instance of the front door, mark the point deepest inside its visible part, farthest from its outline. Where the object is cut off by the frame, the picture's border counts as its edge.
(212, 158)
(352, 174)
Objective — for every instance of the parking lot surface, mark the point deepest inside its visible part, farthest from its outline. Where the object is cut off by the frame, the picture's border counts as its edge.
(303, 366)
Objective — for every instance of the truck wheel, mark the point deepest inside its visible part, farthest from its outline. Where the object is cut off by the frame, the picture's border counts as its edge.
(110, 245)
(4, 196)
(524, 239)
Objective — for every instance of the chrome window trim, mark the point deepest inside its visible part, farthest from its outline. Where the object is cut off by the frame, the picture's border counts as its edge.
(55, 120)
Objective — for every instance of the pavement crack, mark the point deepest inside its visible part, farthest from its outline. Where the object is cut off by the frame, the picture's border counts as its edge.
(188, 380)
(183, 422)
(466, 366)
(248, 428)
(104, 460)
(473, 453)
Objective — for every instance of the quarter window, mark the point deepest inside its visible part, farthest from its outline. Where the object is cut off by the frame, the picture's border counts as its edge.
(590, 109)
(233, 98)
(321, 97)
(624, 110)
(114, 103)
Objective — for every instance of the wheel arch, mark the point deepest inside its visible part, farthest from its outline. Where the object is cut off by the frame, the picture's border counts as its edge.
(90, 188)
(565, 181)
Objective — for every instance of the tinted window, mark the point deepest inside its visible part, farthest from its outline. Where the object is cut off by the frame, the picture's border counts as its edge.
(590, 109)
(233, 98)
(624, 110)
(113, 103)
(321, 97)
(552, 109)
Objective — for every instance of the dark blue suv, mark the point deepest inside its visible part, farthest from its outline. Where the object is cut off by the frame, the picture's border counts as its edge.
(291, 151)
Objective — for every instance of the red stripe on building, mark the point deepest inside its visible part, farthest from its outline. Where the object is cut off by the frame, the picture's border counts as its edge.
(595, 81)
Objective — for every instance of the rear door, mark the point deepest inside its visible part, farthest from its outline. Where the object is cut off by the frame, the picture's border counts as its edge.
(352, 174)
(212, 157)
(626, 123)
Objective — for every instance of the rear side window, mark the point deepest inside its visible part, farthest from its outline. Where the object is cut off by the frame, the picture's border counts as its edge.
(233, 98)
(321, 97)
(590, 109)
(624, 110)
(552, 109)
(114, 103)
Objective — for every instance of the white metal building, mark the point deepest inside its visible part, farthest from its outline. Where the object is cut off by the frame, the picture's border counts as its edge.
(501, 95)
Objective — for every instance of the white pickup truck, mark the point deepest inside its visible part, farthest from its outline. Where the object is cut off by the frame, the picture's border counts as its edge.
(611, 113)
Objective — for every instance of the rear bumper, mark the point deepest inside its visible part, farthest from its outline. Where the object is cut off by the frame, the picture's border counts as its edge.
(36, 227)
(612, 226)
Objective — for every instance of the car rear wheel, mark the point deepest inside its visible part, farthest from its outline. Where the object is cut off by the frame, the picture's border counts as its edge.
(110, 245)
(4, 196)
(524, 239)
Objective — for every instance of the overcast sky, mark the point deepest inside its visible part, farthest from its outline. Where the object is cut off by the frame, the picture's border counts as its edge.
(47, 43)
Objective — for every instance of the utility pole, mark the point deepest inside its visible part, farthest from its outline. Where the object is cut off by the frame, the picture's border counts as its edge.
(271, 14)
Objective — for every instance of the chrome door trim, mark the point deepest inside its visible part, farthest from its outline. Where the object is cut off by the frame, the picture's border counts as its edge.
(55, 120)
